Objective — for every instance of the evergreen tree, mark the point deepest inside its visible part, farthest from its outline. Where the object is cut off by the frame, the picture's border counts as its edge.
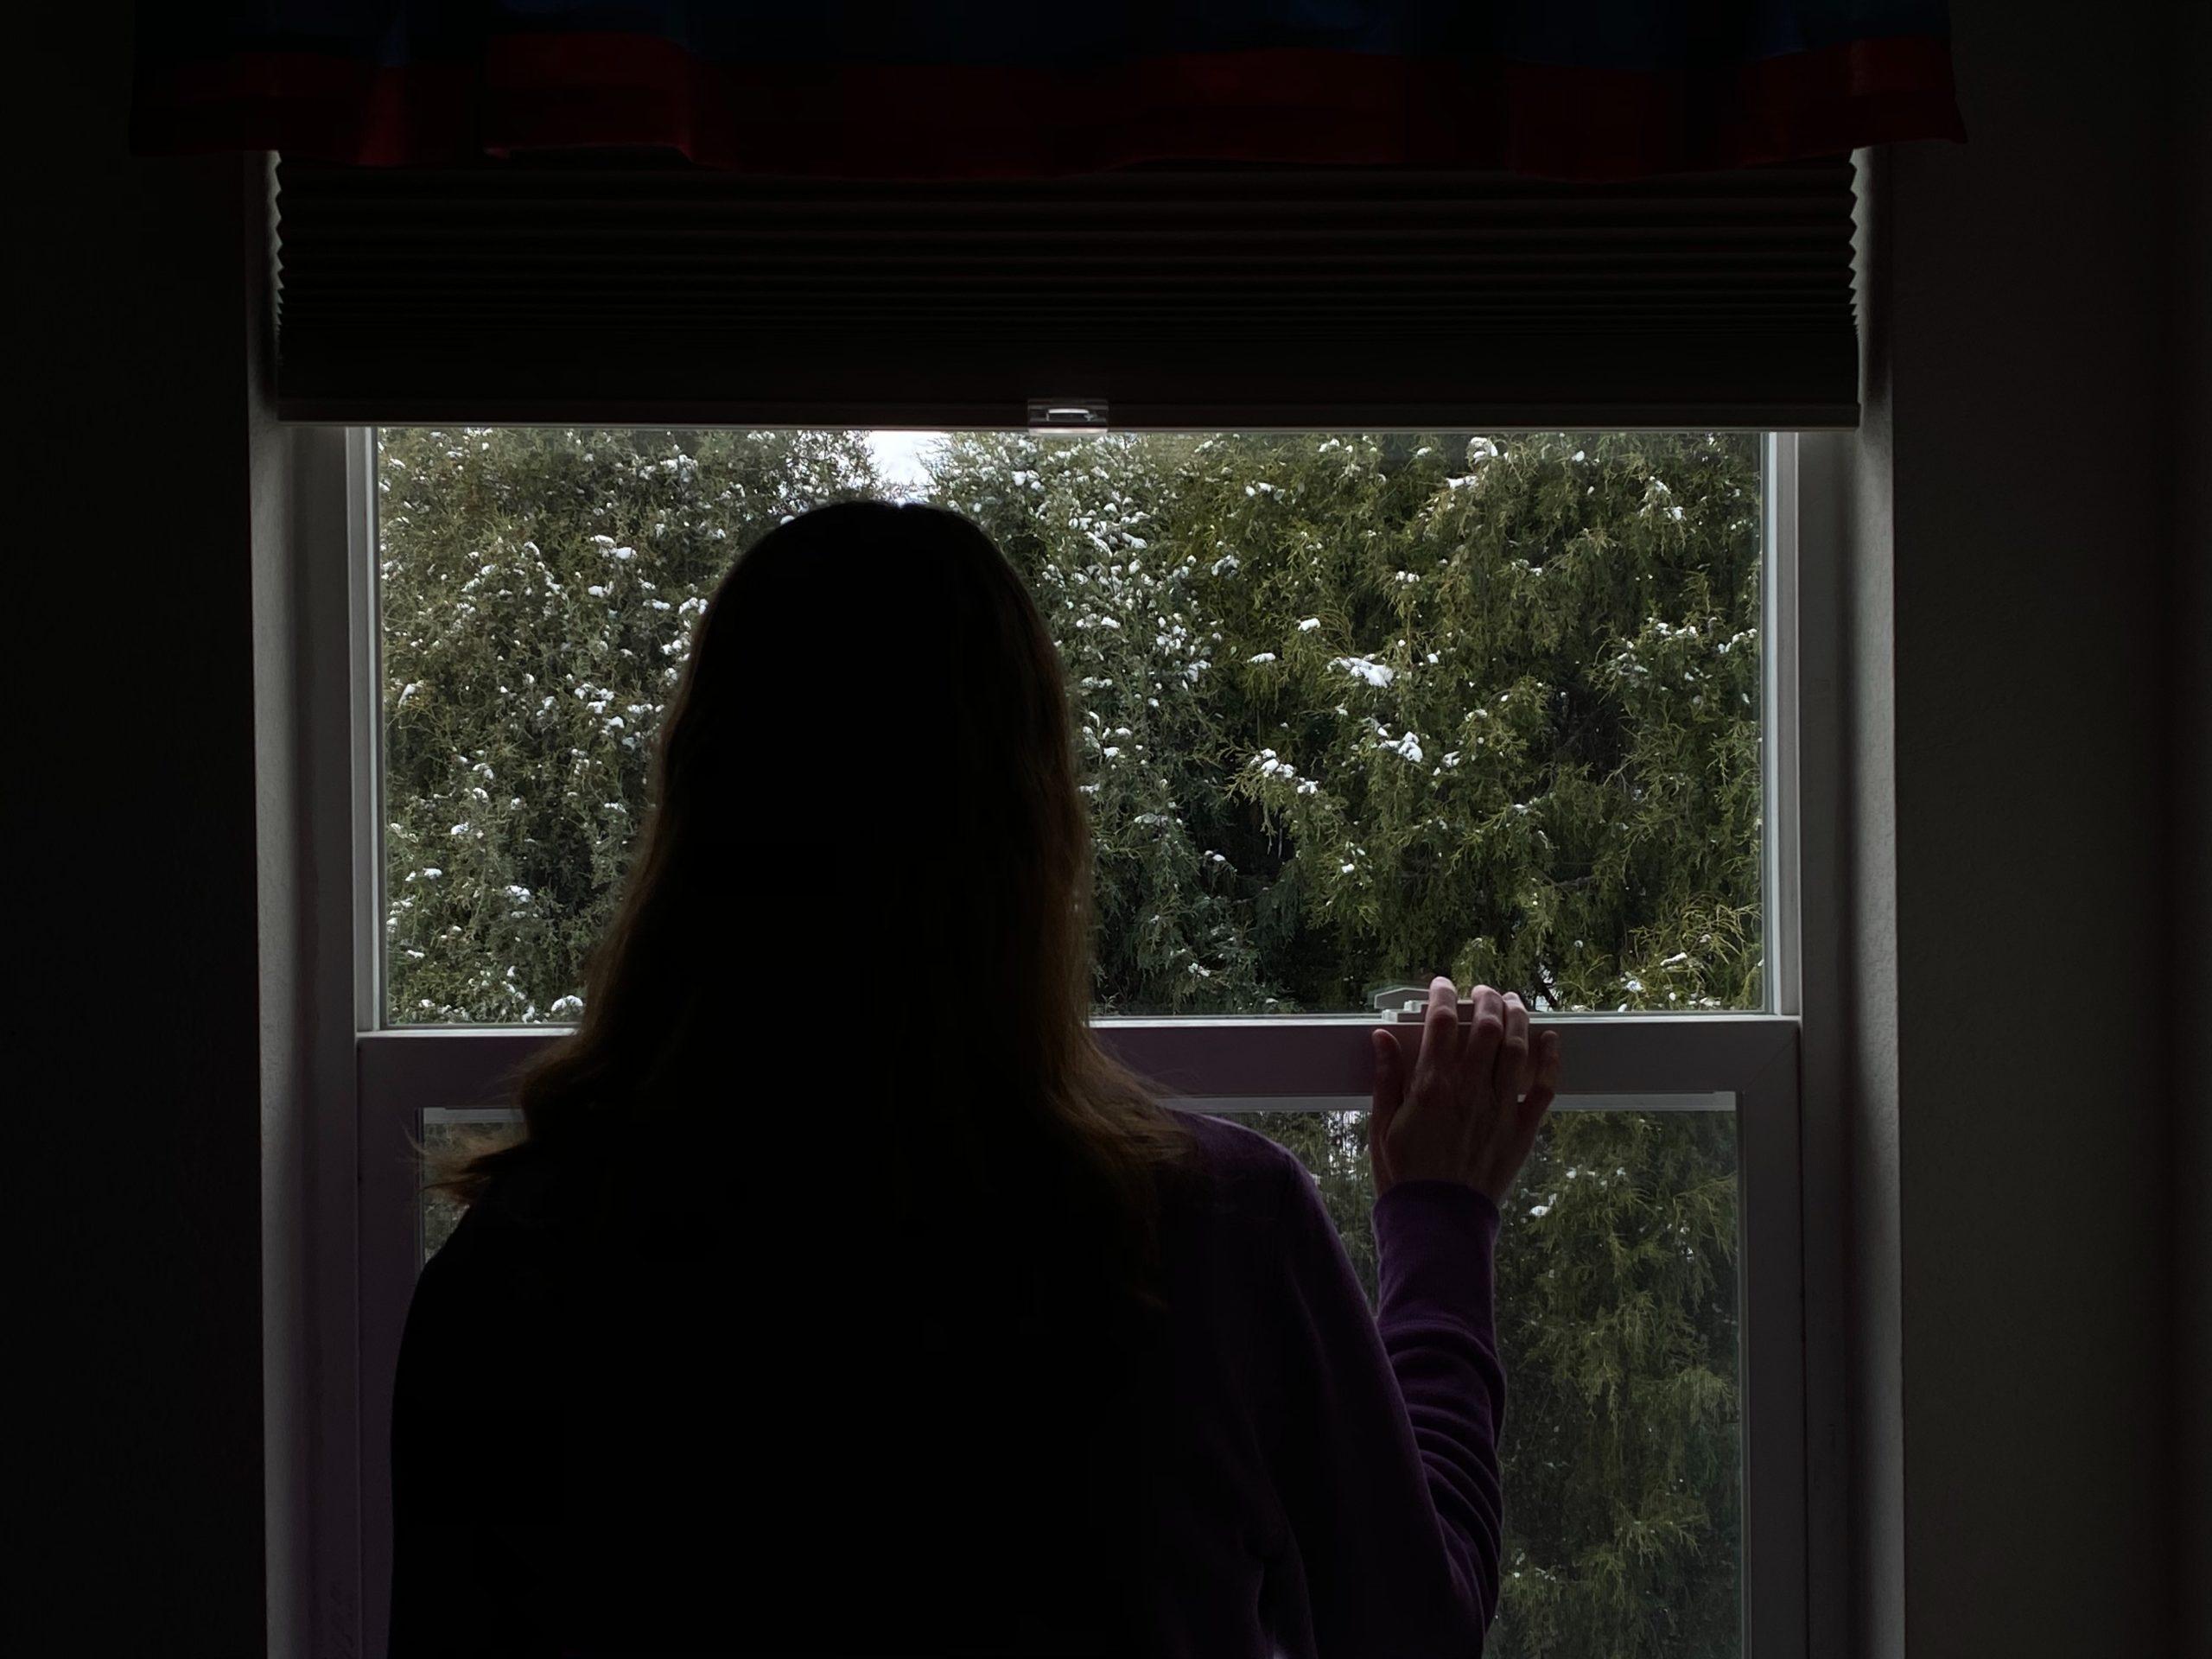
(1500, 722)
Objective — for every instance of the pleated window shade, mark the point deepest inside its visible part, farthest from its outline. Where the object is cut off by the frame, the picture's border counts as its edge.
(1194, 298)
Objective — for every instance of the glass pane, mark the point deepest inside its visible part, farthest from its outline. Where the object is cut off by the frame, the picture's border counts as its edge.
(1617, 1301)
(1487, 706)
(436, 1214)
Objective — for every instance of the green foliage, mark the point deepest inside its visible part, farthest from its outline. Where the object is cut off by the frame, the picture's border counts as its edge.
(1353, 716)
(1351, 710)
(539, 589)
(1617, 1317)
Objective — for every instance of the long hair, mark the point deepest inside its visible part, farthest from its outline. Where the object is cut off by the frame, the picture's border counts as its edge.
(857, 925)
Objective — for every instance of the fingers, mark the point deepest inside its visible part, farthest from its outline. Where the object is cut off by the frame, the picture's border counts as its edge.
(1486, 1036)
(1543, 1089)
(1439, 1031)
(1390, 1095)
(1513, 1073)
(1536, 1104)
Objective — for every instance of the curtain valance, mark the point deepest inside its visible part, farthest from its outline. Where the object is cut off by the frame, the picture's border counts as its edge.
(1599, 90)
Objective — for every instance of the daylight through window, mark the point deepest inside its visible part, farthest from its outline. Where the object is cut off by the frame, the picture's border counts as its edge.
(1350, 709)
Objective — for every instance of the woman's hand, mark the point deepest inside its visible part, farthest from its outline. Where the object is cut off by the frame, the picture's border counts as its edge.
(1471, 1111)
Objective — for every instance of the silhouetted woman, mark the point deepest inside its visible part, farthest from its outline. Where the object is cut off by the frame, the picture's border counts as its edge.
(842, 1297)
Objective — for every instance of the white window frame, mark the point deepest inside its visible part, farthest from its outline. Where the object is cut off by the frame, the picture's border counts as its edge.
(376, 1084)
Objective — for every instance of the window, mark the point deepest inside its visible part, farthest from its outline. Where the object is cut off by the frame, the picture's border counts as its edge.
(1350, 708)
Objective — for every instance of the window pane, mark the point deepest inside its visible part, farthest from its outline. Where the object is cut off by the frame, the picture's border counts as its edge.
(1352, 710)
(1618, 1317)
(442, 1134)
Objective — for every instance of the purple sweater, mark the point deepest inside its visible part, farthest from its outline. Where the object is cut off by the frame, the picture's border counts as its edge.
(701, 1456)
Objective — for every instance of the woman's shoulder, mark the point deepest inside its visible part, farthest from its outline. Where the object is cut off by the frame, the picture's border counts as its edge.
(529, 1189)
(506, 1235)
(1241, 1169)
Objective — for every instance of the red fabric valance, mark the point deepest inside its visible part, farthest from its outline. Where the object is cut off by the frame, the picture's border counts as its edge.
(1628, 90)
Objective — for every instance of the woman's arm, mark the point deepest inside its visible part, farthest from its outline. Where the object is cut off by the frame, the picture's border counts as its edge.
(1389, 1463)
(1389, 1457)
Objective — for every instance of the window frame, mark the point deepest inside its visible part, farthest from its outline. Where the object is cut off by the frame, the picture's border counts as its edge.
(379, 1083)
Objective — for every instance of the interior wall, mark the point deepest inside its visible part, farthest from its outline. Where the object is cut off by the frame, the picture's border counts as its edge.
(2012, 1010)
(283, 864)
(1864, 1144)
(2190, 296)
(135, 1300)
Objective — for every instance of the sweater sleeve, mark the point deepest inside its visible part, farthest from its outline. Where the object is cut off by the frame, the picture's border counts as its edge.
(1388, 1458)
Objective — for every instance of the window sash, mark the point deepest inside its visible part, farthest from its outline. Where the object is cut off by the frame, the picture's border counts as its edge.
(369, 1253)
(1617, 1062)
(1781, 810)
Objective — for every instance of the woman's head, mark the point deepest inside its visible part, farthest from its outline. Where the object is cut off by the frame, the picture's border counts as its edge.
(872, 730)
(866, 871)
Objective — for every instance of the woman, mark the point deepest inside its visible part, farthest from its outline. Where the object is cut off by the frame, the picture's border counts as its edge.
(842, 1297)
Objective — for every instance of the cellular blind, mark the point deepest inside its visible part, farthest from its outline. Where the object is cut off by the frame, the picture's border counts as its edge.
(1182, 297)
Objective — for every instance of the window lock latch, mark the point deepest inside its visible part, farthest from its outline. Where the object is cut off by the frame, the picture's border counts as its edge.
(1067, 415)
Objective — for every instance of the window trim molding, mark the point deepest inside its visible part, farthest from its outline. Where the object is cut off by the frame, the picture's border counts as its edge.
(319, 661)
(370, 1082)
(1829, 787)
(365, 659)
